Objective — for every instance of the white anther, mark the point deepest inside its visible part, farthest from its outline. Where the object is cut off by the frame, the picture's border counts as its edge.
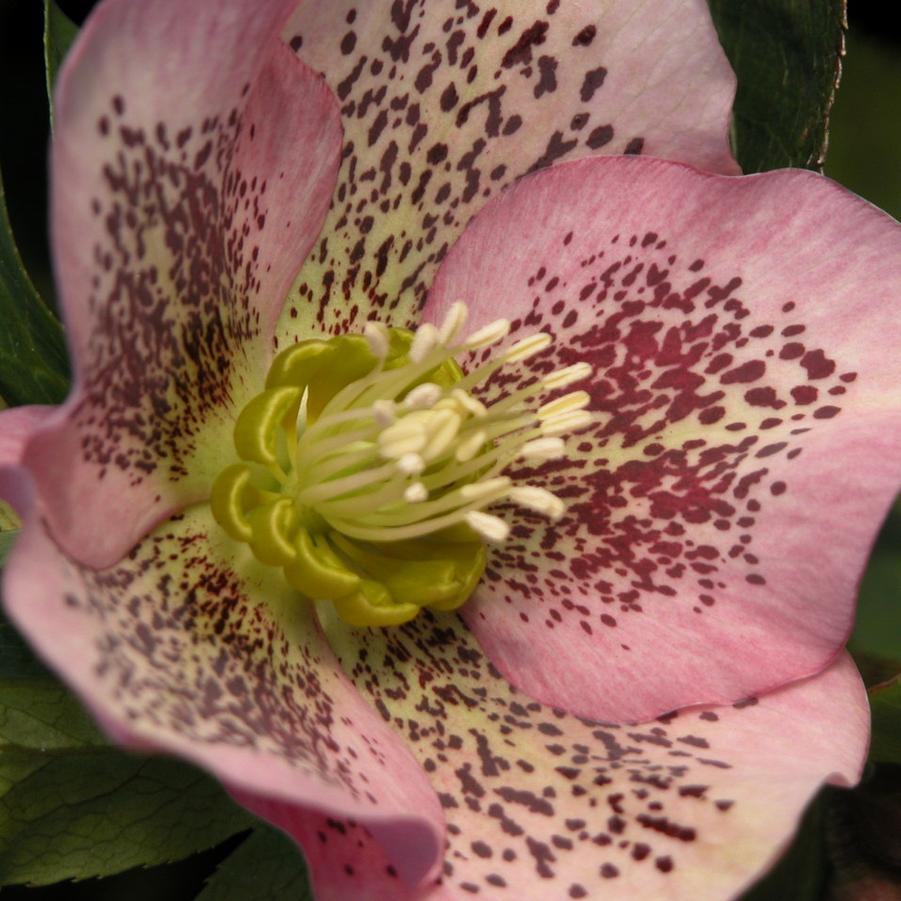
(488, 334)
(576, 400)
(411, 464)
(526, 348)
(453, 322)
(443, 429)
(566, 376)
(470, 446)
(424, 342)
(566, 422)
(468, 402)
(543, 449)
(403, 437)
(383, 412)
(423, 396)
(477, 491)
(538, 499)
(491, 528)
(378, 338)
(415, 493)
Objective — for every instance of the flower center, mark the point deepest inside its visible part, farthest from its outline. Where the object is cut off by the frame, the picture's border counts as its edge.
(368, 464)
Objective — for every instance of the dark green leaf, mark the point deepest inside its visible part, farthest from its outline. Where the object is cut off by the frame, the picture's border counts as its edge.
(33, 362)
(878, 627)
(59, 33)
(7, 540)
(71, 807)
(802, 872)
(265, 867)
(885, 702)
(787, 55)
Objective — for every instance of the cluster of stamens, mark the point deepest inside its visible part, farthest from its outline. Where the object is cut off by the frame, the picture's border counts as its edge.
(359, 446)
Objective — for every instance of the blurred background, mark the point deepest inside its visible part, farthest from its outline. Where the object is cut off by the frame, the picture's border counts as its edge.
(864, 154)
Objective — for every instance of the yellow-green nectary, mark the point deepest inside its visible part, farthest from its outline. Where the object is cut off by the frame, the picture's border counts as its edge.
(367, 465)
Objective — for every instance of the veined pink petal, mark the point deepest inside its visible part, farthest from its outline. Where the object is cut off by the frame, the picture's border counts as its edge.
(187, 647)
(16, 426)
(193, 160)
(540, 804)
(746, 380)
(444, 103)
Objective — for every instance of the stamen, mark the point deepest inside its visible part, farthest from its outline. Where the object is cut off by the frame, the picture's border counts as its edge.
(470, 446)
(383, 412)
(491, 528)
(538, 499)
(411, 464)
(543, 449)
(528, 347)
(424, 341)
(566, 376)
(378, 338)
(422, 397)
(488, 335)
(453, 323)
(416, 493)
(566, 422)
(577, 400)
(406, 436)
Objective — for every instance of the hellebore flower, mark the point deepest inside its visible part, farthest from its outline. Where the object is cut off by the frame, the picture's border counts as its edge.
(719, 503)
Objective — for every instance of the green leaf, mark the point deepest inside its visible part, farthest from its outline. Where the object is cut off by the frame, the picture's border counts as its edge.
(72, 807)
(33, 362)
(801, 873)
(59, 33)
(878, 627)
(267, 866)
(787, 56)
(885, 703)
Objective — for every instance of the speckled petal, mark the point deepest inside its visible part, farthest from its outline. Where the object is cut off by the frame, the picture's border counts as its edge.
(445, 102)
(540, 804)
(193, 161)
(173, 650)
(747, 392)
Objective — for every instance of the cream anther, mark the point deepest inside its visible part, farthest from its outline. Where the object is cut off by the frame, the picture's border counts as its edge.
(383, 412)
(528, 347)
(453, 323)
(415, 493)
(478, 490)
(566, 376)
(423, 396)
(565, 422)
(424, 342)
(468, 402)
(443, 429)
(488, 334)
(378, 338)
(538, 499)
(543, 449)
(411, 464)
(469, 447)
(491, 528)
(577, 400)
(403, 437)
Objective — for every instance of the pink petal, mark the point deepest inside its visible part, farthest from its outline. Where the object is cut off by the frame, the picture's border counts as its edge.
(444, 103)
(173, 651)
(540, 804)
(193, 161)
(733, 325)
(16, 425)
